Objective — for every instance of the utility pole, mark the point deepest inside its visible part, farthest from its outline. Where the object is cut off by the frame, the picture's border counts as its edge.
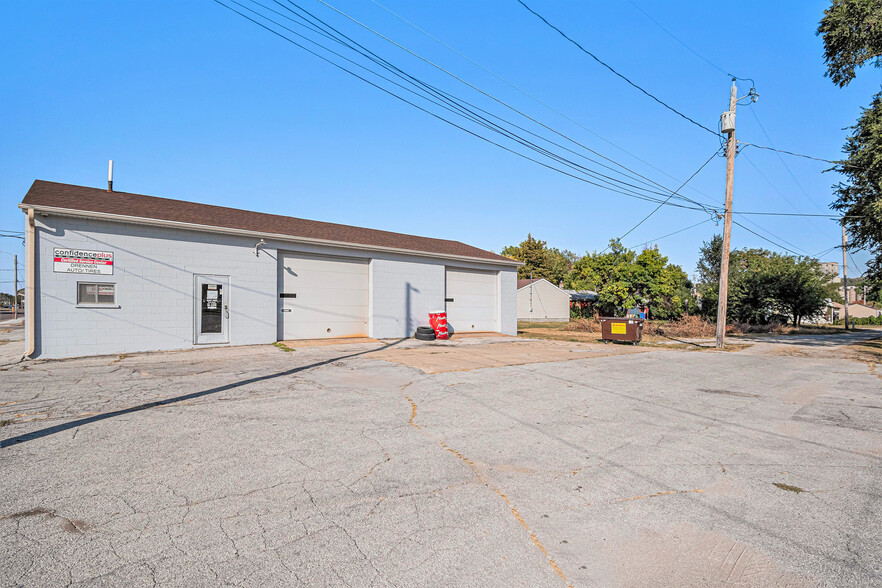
(728, 126)
(844, 276)
(15, 292)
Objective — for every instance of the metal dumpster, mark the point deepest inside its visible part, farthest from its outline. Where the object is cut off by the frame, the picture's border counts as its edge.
(621, 329)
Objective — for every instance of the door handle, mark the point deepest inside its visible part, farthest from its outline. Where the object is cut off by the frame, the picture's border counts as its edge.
(286, 310)
(227, 311)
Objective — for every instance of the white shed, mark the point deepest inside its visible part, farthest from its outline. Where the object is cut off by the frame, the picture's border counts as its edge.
(540, 300)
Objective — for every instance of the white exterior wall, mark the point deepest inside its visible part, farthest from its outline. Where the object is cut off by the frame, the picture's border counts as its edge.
(508, 301)
(153, 273)
(549, 303)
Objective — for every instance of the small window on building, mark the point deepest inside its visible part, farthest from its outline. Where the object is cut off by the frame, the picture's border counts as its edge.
(97, 294)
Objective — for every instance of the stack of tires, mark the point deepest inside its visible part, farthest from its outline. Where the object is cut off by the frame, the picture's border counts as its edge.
(425, 334)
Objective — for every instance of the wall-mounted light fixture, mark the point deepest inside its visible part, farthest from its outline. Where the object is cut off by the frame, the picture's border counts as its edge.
(260, 243)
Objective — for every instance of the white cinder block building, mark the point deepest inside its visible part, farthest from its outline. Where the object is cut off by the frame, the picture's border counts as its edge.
(112, 272)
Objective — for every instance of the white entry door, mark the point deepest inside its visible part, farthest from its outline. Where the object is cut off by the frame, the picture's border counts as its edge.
(322, 296)
(471, 300)
(212, 309)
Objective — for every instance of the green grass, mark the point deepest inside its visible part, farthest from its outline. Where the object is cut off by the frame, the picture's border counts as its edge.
(282, 346)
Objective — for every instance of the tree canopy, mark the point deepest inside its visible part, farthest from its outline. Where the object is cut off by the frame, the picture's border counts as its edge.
(622, 278)
(763, 285)
(540, 260)
(852, 32)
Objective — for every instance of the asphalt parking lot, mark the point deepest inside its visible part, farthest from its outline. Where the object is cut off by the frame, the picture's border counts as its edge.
(351, 465)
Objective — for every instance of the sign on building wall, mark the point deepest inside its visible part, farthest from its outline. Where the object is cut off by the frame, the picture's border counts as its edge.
(78, 261)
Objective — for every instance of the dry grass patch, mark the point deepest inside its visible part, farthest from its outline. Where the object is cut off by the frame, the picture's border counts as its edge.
(579, 331)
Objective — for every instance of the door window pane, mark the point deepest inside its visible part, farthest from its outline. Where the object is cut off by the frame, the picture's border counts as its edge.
(212, 308)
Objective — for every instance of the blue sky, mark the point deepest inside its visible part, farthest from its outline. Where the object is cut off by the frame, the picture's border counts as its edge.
(194, 102)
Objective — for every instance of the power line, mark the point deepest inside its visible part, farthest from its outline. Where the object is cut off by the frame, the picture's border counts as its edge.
(777, 191)
(781, 159)
(826, 251)
(645, 218)
(690, 49)
(531, 96)
(547, 153)
(452, 104)
(443, 95)
(456, 109)
(386, 64)
(774, 236)
(842, 163)
(769, 182)
(799, 214)
(768, 240)
(610, 68)
(707, 220)
(470, 85)
(855, 263)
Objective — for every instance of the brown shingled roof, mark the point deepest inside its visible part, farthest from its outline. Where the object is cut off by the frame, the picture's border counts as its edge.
(80, 198)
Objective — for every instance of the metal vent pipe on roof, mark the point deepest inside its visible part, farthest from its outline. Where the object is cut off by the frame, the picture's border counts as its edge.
(110, 175)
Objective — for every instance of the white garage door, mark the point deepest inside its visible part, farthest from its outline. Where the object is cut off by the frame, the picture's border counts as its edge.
(323, 297)
(471, 300)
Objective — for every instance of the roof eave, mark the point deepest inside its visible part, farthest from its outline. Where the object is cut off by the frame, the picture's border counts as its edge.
(266, 235)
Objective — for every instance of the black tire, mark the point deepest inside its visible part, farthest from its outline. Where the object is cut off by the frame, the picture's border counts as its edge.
(425, 330)
(425, 336)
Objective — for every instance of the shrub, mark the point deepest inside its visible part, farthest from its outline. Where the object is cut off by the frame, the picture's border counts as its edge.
(773, 327)
(867, 320)
(579, 310)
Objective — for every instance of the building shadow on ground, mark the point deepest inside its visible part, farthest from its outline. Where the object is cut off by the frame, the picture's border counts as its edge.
(39, 434)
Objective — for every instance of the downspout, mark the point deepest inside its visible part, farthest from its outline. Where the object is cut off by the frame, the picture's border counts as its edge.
(30, 310)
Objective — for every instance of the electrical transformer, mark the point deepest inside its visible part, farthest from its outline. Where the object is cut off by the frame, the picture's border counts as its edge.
(727, 122)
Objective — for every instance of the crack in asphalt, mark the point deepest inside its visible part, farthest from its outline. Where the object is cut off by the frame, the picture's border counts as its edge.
(485, 480)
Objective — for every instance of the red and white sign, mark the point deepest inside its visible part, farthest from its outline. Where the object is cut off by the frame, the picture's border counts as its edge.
(79, 261)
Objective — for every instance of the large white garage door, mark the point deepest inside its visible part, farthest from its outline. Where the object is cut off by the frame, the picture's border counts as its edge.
(471, 300)
(323, 297)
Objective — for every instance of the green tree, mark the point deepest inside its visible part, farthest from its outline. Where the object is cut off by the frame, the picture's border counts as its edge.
(801, 287)
(664, 286)
(622, 279)
(708, 270)
(540, 260)
(560, 265)
(859, 197)
(852, 33)
(763, 284)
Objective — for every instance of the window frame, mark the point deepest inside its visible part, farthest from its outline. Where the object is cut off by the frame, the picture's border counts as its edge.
(96, 303)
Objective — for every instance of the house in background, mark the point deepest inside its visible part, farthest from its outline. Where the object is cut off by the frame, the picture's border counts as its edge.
(580, 300)
(540, 300)
(856, 310)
